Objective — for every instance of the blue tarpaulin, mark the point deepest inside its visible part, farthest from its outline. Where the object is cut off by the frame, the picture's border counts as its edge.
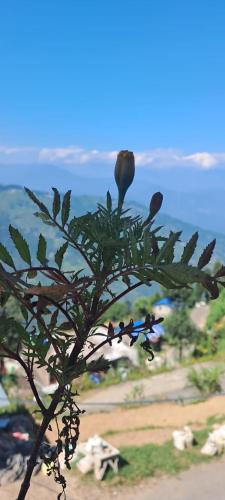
(166, 301)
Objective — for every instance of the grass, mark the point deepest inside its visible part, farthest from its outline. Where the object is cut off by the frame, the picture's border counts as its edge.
(112, 432)
(218, 356)
(149, 460)
(139, 462)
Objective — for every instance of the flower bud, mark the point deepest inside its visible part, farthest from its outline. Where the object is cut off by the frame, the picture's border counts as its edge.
(124, 173)
(155, 204)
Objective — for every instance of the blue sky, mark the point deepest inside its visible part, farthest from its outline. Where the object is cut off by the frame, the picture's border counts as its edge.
(84, 78)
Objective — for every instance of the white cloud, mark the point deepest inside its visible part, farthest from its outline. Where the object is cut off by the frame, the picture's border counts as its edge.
(75, 155)
(206, 160)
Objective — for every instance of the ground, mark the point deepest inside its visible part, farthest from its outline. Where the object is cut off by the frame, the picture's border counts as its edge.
(153, 423)
(203, 482)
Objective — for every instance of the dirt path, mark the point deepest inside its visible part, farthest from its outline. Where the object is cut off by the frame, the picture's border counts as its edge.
(129, 426)
(147, 424)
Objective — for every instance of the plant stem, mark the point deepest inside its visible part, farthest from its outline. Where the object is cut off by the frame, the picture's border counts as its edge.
(33, 458)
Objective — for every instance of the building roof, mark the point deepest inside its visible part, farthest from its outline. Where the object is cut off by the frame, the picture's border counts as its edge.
(166, 301)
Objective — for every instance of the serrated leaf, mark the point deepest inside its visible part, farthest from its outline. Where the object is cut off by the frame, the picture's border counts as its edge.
(212, 287)
(41, 251)
(220, 273)
(166, 252)
(39, 203)
(183, 274)
(154, 244)
(53, 321)
(65, 212)
(6, 257)
(206, 254)
(56, 203)
(20, 244)
(60, 254)
(45, 218)
(24, 313)
(189, 249)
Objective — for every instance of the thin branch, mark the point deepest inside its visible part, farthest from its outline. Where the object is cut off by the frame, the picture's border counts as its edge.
(126, 331)
(118, 297)
(74, 244)
(42, 269)
(63, 311)
(17, 358)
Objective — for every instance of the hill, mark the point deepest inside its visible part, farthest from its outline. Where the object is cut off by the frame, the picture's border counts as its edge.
(17, 209)
(196, 195)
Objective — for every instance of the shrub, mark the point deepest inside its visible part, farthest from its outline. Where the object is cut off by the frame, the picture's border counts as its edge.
(207, 380)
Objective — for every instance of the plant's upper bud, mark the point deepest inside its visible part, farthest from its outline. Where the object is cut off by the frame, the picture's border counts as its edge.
(124, 172)
(155, 204)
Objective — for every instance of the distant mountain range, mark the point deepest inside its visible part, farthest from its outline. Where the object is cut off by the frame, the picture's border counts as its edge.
(190, 194)
(17, 209)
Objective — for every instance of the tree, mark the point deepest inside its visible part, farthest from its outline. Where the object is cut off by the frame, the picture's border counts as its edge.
(186, 298)
(143, 305)
(119, 311)
(116, 248)
(180, 330)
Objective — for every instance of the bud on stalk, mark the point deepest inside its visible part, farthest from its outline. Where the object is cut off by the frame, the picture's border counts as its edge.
(124, 173)
(155, 204)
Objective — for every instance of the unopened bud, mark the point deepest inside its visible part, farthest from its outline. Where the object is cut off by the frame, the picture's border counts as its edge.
(124, 173)
(155, 204)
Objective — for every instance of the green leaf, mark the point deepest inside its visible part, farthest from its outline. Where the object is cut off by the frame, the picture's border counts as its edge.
(6, 257)
(183, 274)
(166, 252)
(34, 198)
(45, 218)
(221, 272)
(24, 313)
(53, 321)
(41, 252)
(60, 254)
(65, 208)
(154, 245)
(206, 254)
(56, 203)
(189, 249)
(20, 244)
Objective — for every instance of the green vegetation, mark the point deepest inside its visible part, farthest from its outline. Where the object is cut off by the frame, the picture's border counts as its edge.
(143, 305)
(139, 462)
(9, 380)
(17, 209)
(180, 330)
(13, 408)
(119, 311)
(118, 252)
(217, 310)
(206, 380)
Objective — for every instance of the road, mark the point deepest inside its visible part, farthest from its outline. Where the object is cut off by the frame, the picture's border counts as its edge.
(172, 385)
